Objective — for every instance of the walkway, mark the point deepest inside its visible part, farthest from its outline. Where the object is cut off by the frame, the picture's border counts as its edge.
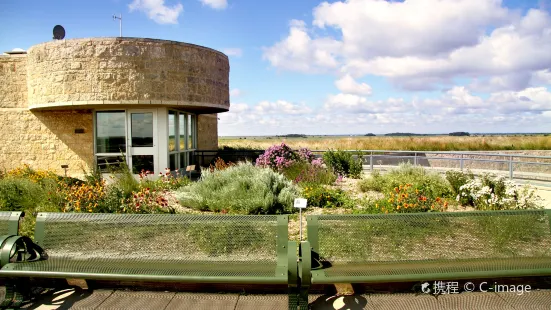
(145, 300)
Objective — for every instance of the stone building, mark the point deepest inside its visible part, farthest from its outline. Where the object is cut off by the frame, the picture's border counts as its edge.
(88, 102)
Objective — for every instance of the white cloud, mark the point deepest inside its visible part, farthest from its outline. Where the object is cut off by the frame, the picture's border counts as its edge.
(299, 52)
(373, 28)
(233, 51)
(157, 10)
(281, 107)
(236, 92)
(422, 44)
(542, 77)
(348, 85)
(215, 4)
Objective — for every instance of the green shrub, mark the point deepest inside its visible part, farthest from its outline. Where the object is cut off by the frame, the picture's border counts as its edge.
(19, 194)
(304, 172)
(241, 189)
(324, 197)
(431, 184)
(124, 179)
(376, 182)
(343, 163)
(458, 179)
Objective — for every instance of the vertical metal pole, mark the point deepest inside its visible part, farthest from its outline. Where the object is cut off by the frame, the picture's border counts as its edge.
(371, 160)
(120, 23)
(300, 219)
(415, 159)
(511, 167)
(461, 162)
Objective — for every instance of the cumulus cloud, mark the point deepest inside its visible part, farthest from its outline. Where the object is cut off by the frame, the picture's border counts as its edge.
(348, 85)
(157, 10)
(236, 92)
(215, 4)
(233, 51)
(422, 44)
(281, 107)
(300, 52)
(457, 109)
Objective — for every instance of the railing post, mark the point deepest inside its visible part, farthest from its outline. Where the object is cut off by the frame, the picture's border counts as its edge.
(511, 167)
(461, 162)
(371, 160)
(415, 159)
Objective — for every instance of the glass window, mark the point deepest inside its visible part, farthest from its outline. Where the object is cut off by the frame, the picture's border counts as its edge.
(110, 132)
(183, 160)
(107, 163)
(142, 163)
(182, 130)
(182, 127)
(172, 162)
(142, 129)
(171, 131)
(191, 122)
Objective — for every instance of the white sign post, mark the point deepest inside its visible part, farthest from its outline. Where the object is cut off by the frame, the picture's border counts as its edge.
(300, 203)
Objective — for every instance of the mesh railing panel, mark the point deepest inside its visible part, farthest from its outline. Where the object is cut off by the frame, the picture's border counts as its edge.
(4, 222)
(156, 268)
(438, 267)
(160, 237)
(434, 236)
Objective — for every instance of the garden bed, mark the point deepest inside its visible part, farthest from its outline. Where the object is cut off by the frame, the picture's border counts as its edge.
(333, 184)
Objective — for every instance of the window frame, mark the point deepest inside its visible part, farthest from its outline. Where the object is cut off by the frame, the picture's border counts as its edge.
(177, 150)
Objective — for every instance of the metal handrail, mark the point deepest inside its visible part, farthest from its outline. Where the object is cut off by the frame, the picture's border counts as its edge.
(371, 155)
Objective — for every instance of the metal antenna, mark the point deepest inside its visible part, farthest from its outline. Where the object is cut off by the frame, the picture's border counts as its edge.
(115, 17)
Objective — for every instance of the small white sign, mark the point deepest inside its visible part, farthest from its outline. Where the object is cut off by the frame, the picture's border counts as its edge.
(300, 203)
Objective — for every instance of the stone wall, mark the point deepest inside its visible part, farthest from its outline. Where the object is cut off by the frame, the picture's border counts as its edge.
(207, 132)
(13, 81)
(101, 71)
(46, 140)
(48, 93)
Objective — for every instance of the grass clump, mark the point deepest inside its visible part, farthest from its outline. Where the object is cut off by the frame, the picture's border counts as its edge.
(240, 189)
(343, 163)
(431, 184)
(325, 197)
(309, 173)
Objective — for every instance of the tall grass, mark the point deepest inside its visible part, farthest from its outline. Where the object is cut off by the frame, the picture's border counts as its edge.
(434, 143)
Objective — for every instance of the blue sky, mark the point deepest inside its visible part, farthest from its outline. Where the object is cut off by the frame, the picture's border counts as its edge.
(341, 67)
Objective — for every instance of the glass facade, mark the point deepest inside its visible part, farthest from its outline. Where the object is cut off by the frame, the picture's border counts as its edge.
(184, 134)
(142, 129)
(110, 132)
(112, 128)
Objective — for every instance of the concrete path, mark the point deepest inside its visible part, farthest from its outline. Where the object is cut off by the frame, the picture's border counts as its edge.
(76, 298)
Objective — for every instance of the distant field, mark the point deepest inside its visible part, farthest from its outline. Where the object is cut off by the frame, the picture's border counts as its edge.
(418, 143)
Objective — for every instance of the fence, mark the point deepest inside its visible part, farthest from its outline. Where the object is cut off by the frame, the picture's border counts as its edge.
(516, 166)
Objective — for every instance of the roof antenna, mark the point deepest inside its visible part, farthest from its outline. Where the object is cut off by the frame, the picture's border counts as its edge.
(115, 17)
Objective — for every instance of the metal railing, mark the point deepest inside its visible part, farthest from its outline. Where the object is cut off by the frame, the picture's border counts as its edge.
(518, 166)
(540, 165)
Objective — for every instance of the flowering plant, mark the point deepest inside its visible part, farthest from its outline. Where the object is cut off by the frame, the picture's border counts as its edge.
(406, 199)
(278, 157)
(306, 155)
(492, 192)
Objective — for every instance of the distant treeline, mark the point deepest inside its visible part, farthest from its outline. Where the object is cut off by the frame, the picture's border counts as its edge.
(459, 134)
(293, 135)
(404, 134)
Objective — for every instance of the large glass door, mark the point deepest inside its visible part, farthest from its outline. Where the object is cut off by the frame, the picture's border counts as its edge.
(141, 141)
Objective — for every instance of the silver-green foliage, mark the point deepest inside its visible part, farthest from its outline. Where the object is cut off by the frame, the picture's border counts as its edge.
(240, 189)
